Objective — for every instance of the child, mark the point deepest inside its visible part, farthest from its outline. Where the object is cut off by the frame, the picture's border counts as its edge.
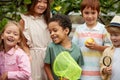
(92, 38)
(112, 72)
(60, 27)
(34, 25)
(14, 62)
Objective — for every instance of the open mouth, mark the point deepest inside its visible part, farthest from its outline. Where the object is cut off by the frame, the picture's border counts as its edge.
(10, 39)
(54, 38)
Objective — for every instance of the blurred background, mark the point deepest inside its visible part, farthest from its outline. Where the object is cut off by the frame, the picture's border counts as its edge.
(11, 9)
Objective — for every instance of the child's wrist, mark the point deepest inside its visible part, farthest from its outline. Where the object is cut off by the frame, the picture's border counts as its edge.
(103, 71)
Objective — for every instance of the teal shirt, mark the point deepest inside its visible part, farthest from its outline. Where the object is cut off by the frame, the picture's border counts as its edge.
(54, 49)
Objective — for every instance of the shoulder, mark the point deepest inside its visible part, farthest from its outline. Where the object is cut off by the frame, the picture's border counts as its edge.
(75, 46)
(20, 52)
(51, 45)
(80, 27)
(100, 25)
(108, 50)
(23, 16)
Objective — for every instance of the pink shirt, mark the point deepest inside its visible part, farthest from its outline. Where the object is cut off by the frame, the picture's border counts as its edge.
(16, 63)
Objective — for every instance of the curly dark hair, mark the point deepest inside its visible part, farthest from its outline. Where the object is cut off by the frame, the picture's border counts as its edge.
(63, 20)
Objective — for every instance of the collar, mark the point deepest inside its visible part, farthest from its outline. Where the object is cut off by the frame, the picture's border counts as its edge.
(35, 18)
(12, 50)
(69, 50)
(97, 27)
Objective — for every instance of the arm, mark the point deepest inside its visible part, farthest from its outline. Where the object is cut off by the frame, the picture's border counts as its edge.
(21, 22)
(26, 47)
(4, 76)
(105, 71)
(23, 71)
(95, 46)
(48, 71)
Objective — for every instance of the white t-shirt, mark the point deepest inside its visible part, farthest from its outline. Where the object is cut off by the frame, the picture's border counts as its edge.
(116, 65)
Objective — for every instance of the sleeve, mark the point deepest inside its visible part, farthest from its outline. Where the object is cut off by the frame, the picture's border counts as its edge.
(75, 38)
(26, 31)
(104, 76)
(81, 60)
(47, 56)
(24, 69)
(106, 38)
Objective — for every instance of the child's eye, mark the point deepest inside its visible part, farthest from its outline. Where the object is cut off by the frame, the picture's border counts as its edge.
(16, 34)
(8, 32)
(86, 12)
(93, 12)
(55, 30)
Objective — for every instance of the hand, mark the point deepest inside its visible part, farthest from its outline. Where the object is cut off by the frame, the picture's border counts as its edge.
(107, 70)
(4, 76)
(90, 45)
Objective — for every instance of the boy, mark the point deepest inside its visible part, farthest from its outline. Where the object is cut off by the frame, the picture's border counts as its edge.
(60, 27)
(92, 38)
(112, 72)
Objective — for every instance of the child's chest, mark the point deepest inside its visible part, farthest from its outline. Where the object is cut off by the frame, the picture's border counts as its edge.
(8, 63)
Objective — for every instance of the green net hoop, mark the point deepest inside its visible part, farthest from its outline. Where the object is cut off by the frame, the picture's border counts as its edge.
(65, 66)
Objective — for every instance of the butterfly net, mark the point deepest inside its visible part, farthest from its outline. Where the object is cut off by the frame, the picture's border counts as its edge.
(65, 66)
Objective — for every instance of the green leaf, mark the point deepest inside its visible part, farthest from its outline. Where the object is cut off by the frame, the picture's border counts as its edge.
(3, 23)
(27, 1)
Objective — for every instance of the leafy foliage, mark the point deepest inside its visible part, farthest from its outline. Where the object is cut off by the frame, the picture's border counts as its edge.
(66, 6)
(11, 9)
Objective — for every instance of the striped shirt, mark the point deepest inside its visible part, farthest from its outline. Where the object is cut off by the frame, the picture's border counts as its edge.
(91, 68)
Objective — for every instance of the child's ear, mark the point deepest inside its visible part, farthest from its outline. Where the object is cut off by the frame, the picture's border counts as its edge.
(67, 31)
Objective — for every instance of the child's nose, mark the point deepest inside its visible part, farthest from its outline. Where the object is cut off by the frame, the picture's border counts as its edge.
(52, 33)
(11, 34)
(89, 15)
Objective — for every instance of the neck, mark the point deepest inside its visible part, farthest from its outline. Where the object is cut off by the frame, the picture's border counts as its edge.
(91, 25)
(66, 43)
(36, 15)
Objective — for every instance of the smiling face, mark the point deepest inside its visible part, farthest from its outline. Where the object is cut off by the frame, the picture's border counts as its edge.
(115, 38)
(90, 16)
(10, 36)
(114, 34)
(40, 7)
(57, 33)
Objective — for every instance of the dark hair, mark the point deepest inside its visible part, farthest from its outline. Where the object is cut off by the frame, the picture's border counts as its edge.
(93, 4)
(31, 6)
(63, 20)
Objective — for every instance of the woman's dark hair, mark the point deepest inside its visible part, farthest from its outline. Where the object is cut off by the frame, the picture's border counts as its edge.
(63, 20)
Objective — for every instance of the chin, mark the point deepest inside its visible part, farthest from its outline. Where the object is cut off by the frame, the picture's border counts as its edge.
(56, 42)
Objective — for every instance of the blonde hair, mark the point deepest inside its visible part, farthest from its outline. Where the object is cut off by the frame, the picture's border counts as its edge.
(22, 38)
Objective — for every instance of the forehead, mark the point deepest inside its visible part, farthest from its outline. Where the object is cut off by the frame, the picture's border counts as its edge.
(12, 27)
(89, 8)
(54, 24)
